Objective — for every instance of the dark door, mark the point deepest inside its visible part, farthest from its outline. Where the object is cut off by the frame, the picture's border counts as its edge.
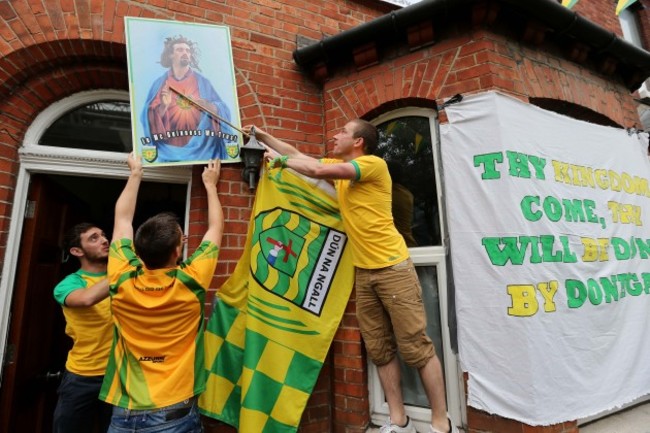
(37, 345)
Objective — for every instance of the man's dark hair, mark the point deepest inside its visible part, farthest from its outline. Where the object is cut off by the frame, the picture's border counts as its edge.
(72, 237)
(169, 49)
(367, 131)
(156, 239)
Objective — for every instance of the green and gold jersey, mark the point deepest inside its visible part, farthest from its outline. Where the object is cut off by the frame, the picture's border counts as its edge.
(157, 356)
(365, 204)
(90, 328)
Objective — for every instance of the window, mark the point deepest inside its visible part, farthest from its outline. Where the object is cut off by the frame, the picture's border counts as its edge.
(408, 143)
(630, 27)
(631, 32)
(100, 125)
(405, 144)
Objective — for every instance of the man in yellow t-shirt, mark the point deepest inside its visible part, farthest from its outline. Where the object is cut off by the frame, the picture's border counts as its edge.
(387, 286)
(83, 296)
(156, 366)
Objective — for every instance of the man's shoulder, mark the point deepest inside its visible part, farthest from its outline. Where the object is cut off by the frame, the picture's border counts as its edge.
(69, 283)
(74, 276)
(370, 165)
(370, 159)
(122, 250)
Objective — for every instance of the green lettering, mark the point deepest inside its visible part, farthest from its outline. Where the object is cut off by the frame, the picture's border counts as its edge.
(576, 293)
(489, 161)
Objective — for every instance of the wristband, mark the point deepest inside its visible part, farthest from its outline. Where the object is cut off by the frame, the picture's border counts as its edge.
(280, 161)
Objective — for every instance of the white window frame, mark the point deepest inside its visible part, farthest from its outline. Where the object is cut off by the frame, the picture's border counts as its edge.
(35, 158)
(631, 33)
(427, 256)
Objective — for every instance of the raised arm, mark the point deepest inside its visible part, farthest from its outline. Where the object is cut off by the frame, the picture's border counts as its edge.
(276, 144)
(300, 162)
(318, 170)
(215, 213)
(125, 206)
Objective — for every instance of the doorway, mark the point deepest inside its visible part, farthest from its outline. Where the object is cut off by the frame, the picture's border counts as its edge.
(37, 346)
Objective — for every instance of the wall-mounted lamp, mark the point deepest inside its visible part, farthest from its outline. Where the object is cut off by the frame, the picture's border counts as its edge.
(252, 153)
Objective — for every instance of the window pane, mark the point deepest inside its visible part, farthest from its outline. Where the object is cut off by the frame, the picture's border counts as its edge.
(405, 144)
(412, 389)
(103, 125)
(630, 27)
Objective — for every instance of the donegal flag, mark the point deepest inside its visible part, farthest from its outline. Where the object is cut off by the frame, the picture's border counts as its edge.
(569, 3)
(274, 319)
(623, 4)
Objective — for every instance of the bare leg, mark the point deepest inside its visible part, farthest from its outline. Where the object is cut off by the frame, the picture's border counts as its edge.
(434, 386)
(390, 377)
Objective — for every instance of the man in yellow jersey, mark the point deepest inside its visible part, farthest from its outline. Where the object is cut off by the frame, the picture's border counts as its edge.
(156, 366)
(83, 295)
(387, 286)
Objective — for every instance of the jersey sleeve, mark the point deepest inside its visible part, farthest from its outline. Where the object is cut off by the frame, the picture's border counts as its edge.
(121, 260)
(201, 265)
(68, 285)
(369, 167)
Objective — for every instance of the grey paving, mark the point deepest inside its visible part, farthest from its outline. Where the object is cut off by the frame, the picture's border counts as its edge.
(633, 420)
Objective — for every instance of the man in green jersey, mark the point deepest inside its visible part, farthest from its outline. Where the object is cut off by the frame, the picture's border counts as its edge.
(386, 284)
(156, 366)
(83, 295)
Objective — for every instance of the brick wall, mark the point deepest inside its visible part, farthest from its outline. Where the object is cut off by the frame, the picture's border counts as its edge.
(602, 12)
(473, 64)
(50, 49)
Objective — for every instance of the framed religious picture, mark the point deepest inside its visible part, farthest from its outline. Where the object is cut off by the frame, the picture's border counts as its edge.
(183, 94)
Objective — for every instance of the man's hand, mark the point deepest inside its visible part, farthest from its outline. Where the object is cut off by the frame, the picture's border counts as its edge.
(259, 134)
(134, 163)
(215, 212)
(125, 205)
(269, 154)
(211, 172)
(277, 145)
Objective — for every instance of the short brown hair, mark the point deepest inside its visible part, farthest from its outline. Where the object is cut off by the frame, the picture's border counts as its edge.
(72, 237)
(367, 131)
(156, 239)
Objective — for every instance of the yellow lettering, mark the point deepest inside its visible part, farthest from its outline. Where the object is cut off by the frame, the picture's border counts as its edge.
(548, 291)
(524, 303)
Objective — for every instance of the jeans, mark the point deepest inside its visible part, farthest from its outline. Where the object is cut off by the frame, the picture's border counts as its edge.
(181, 417)
(78, 408)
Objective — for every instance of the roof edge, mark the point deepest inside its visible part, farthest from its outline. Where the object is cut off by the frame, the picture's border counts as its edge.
(557, 17)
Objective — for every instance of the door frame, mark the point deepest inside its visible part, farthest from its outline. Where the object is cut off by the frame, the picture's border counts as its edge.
(35, 158)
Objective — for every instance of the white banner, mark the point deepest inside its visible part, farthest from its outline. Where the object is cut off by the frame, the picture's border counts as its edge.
(549, 223)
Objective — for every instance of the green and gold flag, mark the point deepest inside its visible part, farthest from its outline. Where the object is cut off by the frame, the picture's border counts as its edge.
(623, 4)
(569, 3)
(274, 319)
